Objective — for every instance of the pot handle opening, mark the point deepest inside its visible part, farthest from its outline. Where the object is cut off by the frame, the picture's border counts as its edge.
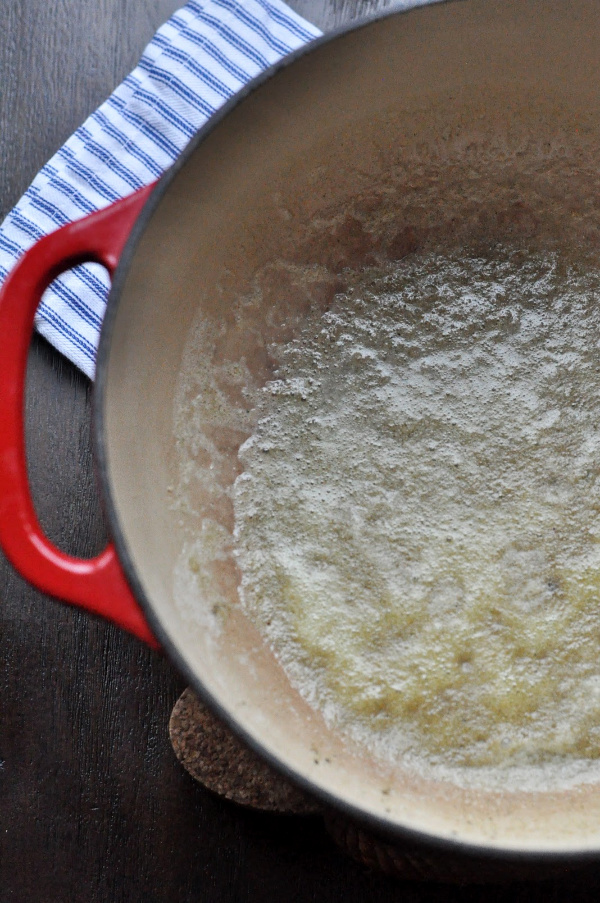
(95, 584)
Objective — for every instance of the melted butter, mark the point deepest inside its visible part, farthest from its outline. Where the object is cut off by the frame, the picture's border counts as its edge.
(417, 521)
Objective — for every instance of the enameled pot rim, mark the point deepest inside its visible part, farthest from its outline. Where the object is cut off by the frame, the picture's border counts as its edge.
(382, 826)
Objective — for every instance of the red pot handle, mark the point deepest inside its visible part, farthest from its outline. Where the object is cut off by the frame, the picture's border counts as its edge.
(96, 584)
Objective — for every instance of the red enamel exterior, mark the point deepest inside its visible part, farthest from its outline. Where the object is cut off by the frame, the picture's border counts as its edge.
(97, 584)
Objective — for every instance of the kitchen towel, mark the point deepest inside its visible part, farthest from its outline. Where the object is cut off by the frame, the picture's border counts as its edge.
(202, 56)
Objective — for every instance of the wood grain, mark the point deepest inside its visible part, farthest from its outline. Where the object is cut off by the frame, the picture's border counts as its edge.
(94, 806)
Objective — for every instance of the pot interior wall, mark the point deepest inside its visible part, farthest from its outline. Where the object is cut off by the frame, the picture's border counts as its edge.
(457, 125)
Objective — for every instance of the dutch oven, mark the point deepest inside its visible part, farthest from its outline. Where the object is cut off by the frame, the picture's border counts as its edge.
(428, 129)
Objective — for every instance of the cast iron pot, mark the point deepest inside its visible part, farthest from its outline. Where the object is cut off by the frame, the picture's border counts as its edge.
(446, 126)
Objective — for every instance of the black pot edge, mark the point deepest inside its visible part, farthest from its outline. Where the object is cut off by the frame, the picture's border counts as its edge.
(386, 829)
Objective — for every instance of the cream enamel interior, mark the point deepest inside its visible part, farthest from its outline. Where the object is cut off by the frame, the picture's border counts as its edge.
(482, 119)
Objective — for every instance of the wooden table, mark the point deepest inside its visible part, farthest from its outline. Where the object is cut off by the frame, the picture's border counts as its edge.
(93, 805)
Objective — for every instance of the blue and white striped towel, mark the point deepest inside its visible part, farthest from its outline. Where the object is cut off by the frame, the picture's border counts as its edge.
(204, 54)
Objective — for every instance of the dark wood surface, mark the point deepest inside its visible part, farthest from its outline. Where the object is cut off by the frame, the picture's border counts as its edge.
(93, 804)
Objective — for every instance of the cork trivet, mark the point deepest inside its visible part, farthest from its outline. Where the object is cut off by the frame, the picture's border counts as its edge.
(216, 758)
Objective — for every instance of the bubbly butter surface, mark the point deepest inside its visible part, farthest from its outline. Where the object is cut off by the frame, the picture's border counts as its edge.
(417, 517)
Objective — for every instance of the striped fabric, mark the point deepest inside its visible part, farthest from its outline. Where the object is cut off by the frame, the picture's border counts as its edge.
(205, 53)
